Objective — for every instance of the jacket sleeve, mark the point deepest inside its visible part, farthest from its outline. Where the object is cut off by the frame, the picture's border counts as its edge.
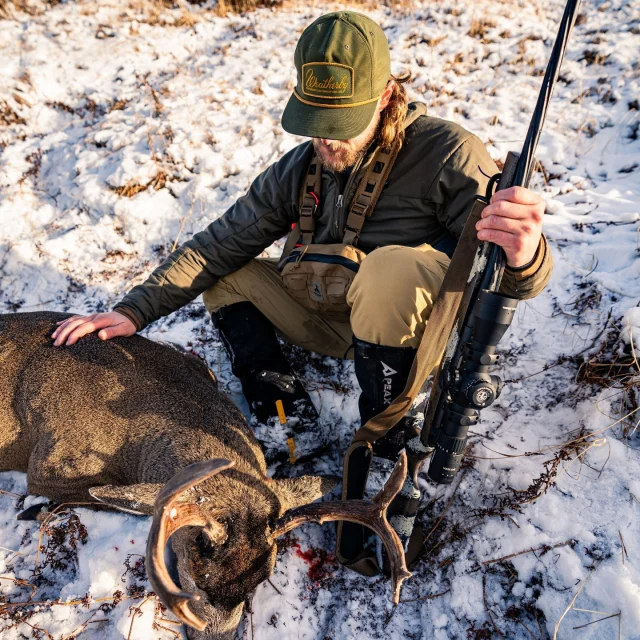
(249, 226)
(458, 183)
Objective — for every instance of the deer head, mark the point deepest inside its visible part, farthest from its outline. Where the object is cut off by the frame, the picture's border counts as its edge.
(226, 548)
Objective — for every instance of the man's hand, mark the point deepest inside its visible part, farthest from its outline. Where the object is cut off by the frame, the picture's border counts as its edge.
(513, 220)
(109, 325)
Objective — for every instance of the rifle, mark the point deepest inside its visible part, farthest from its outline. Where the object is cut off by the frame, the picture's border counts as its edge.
(463, 386)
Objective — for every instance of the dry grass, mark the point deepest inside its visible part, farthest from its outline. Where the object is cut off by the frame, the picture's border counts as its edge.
(7, 114)
(242, 6)
(223, 8)
(480, 28)
(132, 187)
(615, 370)
(7, 7)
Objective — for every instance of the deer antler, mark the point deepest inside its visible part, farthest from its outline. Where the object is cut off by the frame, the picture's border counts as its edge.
(168, 517)
(370, 513)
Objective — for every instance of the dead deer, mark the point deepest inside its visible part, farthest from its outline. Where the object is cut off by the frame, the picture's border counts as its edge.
(142, 427)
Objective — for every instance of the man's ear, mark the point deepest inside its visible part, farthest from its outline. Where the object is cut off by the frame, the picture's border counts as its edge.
(386, 95)
(294, 492)
(136, 498)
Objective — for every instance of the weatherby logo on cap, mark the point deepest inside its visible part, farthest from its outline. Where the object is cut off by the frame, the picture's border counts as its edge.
(325, 80)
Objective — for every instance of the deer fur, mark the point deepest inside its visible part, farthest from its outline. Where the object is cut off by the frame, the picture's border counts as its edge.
(115, 420)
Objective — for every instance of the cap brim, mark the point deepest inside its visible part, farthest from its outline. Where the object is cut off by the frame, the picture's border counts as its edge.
(322, 122)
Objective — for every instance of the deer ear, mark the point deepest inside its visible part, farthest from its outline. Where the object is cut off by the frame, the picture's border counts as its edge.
(136, 498)
(294, 492)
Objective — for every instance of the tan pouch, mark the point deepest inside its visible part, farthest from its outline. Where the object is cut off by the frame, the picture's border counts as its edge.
(319, 276)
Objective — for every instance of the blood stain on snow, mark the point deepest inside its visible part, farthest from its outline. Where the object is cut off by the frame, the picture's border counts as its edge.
(321, 563)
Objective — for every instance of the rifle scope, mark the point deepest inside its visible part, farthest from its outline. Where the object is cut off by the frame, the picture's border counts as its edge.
(469, 387)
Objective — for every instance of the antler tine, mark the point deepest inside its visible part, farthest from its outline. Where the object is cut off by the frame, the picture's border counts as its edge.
(167, 519)
(370, 513)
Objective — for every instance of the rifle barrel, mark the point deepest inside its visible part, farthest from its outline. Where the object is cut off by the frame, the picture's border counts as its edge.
(522, 175)
(524, 167)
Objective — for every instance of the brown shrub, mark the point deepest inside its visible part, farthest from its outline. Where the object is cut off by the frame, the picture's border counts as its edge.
(480, 28)
(241, 6)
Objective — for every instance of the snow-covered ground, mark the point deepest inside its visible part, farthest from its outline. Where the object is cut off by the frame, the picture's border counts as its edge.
(123, 129)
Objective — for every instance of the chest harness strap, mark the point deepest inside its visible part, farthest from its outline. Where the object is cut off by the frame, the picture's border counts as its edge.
(364, 201)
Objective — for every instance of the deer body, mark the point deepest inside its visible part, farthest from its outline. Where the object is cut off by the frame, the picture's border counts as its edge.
(115, 421)
(126, 411)
(142, 427)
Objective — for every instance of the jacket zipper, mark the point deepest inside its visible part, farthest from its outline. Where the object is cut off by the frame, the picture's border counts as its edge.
(339, 222)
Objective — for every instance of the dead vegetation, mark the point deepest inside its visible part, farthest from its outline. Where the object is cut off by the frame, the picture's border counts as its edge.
(8, 116)
(59, 537)
(480, 29)
(35, 162)
(133, 188)
(155, 10)
(242, 6)
(224, 7)
(614, 371)
(60, 553)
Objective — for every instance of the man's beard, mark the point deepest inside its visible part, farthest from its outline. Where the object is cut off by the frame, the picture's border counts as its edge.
(339, 155)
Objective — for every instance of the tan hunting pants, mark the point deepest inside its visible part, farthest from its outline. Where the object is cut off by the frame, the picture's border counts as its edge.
(391, 299)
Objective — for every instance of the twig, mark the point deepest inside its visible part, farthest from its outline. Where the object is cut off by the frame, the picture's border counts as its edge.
(601, 613)
(573, 600)
(486, 606)
(11, 493)
(78, 630)
(48, 603)
(274, 586)
(544, 548)
(432, 597)
(12, 550)
(613, 615)
(565, 359)
(154, 95)
(633, 349)
(183, 221)
(522, 624)
(137, 611)
(175, 633)
(36, 628)
(437, 524)
(527, 454)
(20, 583)
(624, 546)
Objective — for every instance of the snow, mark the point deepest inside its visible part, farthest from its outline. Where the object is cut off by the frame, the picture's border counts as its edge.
(103, 99)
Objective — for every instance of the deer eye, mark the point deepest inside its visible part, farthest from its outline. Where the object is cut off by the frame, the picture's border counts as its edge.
(207, 547)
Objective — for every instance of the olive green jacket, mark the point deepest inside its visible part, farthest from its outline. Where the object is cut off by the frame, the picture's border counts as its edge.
(427, 198)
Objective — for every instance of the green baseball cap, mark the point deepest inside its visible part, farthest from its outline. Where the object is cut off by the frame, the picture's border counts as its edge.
(343, 66)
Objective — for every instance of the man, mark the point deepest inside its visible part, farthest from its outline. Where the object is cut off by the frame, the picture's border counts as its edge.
(347, 101)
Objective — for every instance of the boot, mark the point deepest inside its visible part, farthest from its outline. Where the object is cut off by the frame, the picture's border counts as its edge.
(283, 416)
(382, 373)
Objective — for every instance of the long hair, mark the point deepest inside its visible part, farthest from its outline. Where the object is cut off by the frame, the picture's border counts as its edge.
(391, 126)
